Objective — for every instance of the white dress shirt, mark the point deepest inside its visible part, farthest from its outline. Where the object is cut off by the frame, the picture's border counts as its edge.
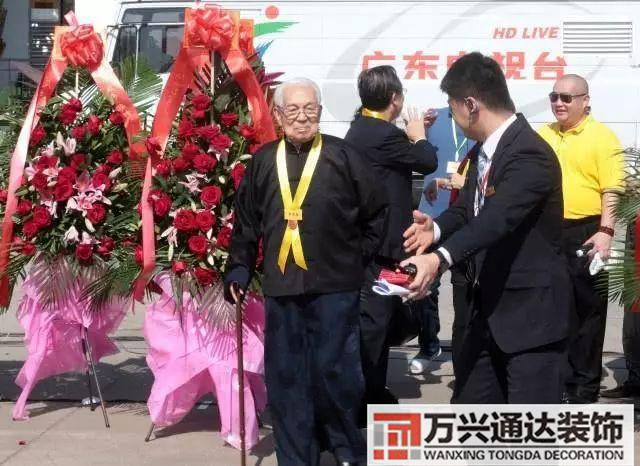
(489, 148)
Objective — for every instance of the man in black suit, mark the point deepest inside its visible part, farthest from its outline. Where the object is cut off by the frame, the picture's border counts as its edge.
(394, 155)
(508, 220)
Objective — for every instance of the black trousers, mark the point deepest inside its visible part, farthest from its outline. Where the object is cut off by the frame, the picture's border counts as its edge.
(486, 375)
(313, 376)
(589, 319)
(461, 286)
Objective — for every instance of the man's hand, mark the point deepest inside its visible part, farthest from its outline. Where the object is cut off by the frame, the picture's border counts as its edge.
(233, 293)
(601, 243)
(419, 236)
(457, 181)
(427, 266)
(431, 191)
(414, 125)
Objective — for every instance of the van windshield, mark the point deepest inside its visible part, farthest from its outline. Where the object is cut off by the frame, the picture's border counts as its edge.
(153, 34)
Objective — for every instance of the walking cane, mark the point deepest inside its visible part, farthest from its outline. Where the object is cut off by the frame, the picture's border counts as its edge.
(239, 346)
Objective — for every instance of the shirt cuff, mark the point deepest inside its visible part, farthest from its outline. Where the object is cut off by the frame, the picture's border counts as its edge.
(436, 232)
(446, 255)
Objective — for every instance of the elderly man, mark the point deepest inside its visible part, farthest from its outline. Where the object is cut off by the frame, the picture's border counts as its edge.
(313, 200)
(591, 159)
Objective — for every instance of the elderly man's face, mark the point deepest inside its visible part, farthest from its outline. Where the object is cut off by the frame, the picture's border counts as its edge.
(299, 115)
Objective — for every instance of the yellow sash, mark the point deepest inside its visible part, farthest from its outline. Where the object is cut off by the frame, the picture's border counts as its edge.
(293, 206)
(372, 114)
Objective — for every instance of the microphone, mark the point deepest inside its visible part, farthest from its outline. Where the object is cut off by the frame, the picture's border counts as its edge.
(584, 250)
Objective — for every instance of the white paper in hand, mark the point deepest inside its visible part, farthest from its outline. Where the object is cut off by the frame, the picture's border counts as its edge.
(384, 288)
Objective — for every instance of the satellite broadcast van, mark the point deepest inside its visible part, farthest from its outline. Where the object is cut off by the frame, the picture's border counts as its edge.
(330, 42)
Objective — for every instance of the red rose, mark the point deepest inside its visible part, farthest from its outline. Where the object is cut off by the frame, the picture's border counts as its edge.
(205, 277)
(211, 196)
(103, 169)
(28, 249)
(228, 119)
(37, 135)
(224, 238)
(204, 163)
(78, 161)
(116, 118)
(198, 244)
(94, 124)
(185, 220)
(180, 164)
(115, 157)
(101, 179)
(178, 267)
(189, 151)
(139, 255)
(255, 147)
(205, 220)
(237, 173)
(30, 229)
(84, 252)
(45, 161)
(161, 202)
(63, 189)
(185, 129)
(79, 132)
(163, 168)
(221, 142)
(153, 146)
(41, 217)
(247, 132)
(24, 207)
(97, 214)
(198, 114)
(39, 181)
(106, 246)
(67, 115)
(4, 194)
(67, 173)
(75, 104)
(201, 102)
(208, 132)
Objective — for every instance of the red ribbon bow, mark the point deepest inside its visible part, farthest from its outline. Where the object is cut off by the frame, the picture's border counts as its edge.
(210, 27)
(82, 47)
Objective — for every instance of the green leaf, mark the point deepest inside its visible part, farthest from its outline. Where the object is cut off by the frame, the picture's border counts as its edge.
(261, 29)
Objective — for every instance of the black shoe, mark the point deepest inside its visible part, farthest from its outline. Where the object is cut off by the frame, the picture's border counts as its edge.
(574, 399)
(622, 391)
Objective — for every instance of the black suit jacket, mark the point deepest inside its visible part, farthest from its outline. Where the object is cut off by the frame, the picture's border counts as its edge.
(393, 158)
(515, 241)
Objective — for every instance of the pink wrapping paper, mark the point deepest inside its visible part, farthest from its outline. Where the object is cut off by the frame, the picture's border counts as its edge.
(190, 357)
(53, 338)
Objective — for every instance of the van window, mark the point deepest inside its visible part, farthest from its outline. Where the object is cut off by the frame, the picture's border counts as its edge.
(154, 35)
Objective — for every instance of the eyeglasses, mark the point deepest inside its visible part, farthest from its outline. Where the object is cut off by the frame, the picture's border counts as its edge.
(291, 113)
(565, 98)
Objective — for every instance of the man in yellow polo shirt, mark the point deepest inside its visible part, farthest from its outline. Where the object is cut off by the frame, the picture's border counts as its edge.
(591, 159)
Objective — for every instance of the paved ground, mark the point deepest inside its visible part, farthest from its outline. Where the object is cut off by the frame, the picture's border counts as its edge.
(61, 432)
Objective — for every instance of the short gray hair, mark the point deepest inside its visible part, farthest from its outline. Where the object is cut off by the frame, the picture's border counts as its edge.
(278, 96)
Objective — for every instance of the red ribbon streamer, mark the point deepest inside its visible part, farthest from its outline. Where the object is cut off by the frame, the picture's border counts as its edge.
(207, 29)
(76, 46)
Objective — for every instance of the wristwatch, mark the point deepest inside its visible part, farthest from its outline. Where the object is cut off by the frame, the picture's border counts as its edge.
(444, 264)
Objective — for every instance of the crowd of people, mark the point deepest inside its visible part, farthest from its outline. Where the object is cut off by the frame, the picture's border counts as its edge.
(331, 213)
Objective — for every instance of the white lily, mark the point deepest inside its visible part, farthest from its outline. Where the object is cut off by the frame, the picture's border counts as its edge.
(69, 145)
(71, 236)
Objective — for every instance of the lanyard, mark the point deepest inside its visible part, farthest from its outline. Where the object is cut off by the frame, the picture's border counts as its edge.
(293, 205)
(455, 140)
(372, 114)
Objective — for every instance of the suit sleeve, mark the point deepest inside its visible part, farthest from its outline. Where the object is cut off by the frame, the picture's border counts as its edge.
(420, 157)
(373, 203)
(246, 231)
(528, 177)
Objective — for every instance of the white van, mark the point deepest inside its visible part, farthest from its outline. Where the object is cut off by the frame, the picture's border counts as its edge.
(331, 42)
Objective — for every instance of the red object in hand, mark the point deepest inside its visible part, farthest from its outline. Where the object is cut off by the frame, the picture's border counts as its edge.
(395, 278)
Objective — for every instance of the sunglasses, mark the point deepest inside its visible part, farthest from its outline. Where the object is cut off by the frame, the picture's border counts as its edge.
(565, 98)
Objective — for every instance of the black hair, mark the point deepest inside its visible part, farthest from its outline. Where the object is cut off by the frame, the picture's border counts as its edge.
(377, 87)
(478, 76)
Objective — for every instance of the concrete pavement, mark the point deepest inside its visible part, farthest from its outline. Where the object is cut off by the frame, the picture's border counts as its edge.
(62, 432)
